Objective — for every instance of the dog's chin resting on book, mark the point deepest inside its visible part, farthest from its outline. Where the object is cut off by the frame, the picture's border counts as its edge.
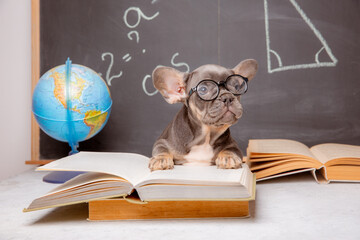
(199, 134)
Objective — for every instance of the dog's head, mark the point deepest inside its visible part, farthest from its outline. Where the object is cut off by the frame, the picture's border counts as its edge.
(211, 92)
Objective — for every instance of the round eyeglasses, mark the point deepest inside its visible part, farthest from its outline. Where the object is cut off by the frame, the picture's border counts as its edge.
(208, 89)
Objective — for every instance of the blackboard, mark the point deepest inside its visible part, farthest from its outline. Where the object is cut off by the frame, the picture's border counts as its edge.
(307, 87)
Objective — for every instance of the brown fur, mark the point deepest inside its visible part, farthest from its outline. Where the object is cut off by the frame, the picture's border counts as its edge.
(200, 128)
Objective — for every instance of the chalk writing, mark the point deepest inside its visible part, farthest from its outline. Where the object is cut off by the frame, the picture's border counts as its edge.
(144, 86)
(140, 15)
(108, 78)
(127, 57)
(136, 34)
(181, 64)
(317, 55)
(316, 32)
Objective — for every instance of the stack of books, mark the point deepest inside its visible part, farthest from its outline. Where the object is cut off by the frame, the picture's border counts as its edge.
(270, 158)
(121, 186)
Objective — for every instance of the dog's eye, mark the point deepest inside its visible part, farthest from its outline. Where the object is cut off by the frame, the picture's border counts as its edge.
(207, 90)
(236, 85)
(203, 90)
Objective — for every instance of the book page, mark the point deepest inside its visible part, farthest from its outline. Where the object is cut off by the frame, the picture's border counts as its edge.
(278, 146)
(204, 175)
(329, 151)
(130, 166)
(86, 179)
(254, 166)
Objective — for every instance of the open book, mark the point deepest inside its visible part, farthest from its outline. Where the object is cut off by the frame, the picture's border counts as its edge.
(270, 158)
(119, 174)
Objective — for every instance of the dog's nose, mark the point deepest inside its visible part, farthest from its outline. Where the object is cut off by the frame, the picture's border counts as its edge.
(227, 99)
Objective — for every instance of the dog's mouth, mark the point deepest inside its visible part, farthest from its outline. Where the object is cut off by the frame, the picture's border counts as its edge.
(228, 115)
(218, 114)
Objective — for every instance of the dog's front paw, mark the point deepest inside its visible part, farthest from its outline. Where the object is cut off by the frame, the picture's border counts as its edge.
(161, 162)
(227, 159)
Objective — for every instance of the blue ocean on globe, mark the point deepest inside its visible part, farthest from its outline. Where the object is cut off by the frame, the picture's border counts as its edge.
(87, 99)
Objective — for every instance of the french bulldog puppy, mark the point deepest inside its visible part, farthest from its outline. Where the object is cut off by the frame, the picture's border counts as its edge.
(199, 134)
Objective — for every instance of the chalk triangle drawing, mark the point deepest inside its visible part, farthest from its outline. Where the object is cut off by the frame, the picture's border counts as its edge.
(280, 65)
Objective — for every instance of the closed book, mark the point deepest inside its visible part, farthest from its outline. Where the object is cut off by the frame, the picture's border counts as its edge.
(128, 208)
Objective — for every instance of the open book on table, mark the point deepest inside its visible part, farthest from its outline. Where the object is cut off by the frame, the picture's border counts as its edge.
(270, 158)
(111, 175)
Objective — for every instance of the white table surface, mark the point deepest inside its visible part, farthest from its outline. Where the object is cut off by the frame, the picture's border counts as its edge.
(293, 207)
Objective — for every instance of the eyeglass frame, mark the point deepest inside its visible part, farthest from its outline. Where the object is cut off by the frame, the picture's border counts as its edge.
(221, 83)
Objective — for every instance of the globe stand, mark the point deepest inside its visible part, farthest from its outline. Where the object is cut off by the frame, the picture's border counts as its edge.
(60, 176)
(63, 176)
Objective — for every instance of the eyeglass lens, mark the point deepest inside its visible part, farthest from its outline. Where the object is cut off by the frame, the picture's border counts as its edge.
(207, 90)
(236, 85)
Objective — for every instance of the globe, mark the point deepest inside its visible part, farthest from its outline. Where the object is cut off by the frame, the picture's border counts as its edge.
(71, 103)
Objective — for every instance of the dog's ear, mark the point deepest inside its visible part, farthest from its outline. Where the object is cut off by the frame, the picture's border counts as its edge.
(247, 68)
(170, 83)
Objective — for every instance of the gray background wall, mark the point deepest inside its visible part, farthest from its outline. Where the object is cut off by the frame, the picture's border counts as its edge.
(15, 97)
